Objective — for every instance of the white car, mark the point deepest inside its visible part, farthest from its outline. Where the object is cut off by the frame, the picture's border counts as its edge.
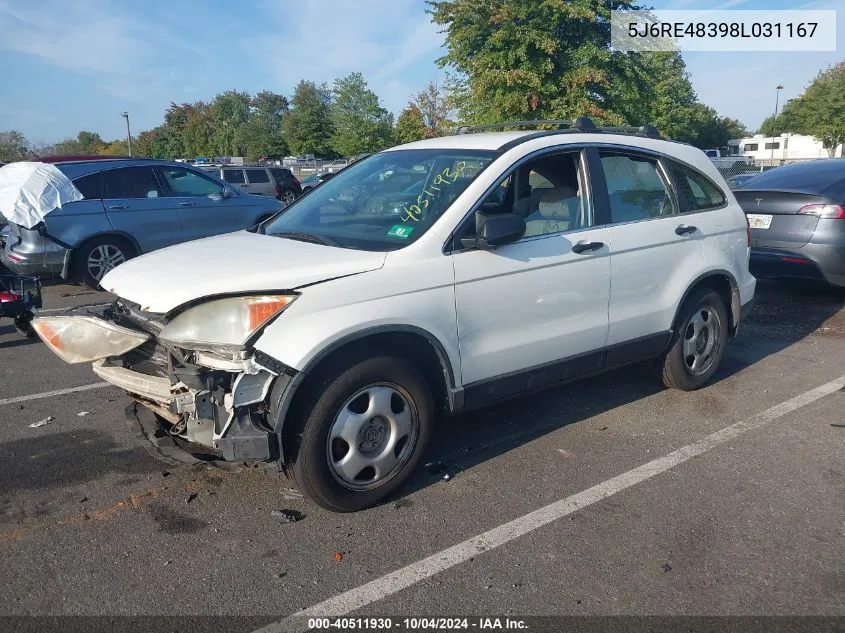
(428, 279)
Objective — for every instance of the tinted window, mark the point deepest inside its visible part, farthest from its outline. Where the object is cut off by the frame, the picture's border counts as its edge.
(90, 186)
(281, 174)
(131, 182)
(636, 188)
(186, 183)
(698, 191)
(772, 145)
(257, 176)
(235, 176)
(810, 176)
(751, 147)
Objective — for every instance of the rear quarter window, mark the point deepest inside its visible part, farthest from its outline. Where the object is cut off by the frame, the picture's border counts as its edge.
(257, 176)
(696, 189)
(90, 186)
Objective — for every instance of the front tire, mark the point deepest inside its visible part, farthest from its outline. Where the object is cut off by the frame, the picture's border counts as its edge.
(698, 343)
(365, 430)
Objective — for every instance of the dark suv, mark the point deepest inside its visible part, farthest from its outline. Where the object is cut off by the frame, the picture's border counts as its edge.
(277, 182)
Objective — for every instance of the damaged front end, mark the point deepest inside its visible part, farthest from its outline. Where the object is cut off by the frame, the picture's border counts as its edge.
(216, 398)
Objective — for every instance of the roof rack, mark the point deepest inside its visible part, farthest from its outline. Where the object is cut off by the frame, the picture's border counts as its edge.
(581, 124)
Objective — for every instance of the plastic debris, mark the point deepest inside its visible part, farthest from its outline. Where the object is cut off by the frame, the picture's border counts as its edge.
(82, 414)
(439, 468)
(287, 516)
(43, 422)
(338, 556)
(291, 493)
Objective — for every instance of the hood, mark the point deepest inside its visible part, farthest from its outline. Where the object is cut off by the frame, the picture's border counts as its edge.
(235, 262)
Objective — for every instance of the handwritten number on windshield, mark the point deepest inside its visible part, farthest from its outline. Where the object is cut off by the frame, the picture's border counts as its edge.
(446, 177)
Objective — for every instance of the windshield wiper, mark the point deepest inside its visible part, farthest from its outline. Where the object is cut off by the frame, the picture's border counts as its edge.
(306, 237)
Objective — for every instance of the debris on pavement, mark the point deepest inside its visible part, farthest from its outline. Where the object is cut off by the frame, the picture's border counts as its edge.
(667, 567)
(338, 556)
(287, 516)
(165, 473)
(403, 503)
(565, 452)
(280, 574)
(82, 414)
(83, 500)
(43, 422)
(439, 468)
(291, 493)
(191, 497)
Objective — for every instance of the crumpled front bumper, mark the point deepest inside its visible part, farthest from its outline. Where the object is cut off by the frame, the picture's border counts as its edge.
(206, 399)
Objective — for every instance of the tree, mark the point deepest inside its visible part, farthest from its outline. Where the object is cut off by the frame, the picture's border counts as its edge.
(521, 59)
(117, 147)
(360, 123)
(225, 120)
(13, 146)
(150, 143)
(307, 128)
(410, 126)
(263, 134)
(90, 143)
(820, 110)
(435, 107)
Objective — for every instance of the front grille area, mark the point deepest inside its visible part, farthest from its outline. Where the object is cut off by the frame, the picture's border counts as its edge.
(150, 359)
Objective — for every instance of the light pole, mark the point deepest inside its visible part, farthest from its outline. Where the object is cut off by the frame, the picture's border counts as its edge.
(774, 121)
(125, 115)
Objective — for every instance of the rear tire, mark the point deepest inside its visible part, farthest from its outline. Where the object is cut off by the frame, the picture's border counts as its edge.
(23, 324)
(384, 407)
(288, 196)
(698, 343)
(98, 256)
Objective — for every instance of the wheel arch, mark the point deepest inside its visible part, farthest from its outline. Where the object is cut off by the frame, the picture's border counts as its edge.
(721, 281)
(405, 341)
(71, 253)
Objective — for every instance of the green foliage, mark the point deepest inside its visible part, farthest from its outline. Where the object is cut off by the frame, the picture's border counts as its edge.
(820, 111)
(13, 146)
(410, 126)
(435, 107)
(521, 59)
(150, 143)
(307, 128)
(360, 123)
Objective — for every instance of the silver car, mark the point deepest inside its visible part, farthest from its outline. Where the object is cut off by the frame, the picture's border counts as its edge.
(131, 206)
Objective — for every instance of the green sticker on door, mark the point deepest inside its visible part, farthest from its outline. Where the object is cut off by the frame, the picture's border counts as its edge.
(397, 230)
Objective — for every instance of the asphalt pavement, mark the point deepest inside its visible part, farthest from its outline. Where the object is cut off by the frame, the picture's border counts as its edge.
(611, 496)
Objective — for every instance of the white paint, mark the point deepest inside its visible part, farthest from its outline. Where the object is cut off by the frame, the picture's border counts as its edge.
(57, 392)
(416, 572)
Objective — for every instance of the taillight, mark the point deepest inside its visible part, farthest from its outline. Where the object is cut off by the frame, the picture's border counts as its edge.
(825, 211)
(295, 181)
(748, 231)
(278, 190)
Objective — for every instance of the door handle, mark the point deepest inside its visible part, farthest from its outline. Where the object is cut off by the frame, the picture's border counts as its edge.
(683, 229)
(119, 206)
(187, 204)
(584, 246)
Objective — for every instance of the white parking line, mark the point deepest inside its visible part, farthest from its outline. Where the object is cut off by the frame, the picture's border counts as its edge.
(415, 572)
(57, 392)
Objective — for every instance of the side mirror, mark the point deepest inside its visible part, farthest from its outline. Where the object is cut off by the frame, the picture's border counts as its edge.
(496, 229)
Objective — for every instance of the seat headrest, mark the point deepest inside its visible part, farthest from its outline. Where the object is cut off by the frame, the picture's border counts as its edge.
(553, 202)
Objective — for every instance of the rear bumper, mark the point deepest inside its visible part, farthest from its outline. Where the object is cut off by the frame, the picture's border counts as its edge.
(824, 262)
(33, 264)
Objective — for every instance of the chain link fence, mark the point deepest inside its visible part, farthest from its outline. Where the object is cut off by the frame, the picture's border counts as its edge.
(738, 171)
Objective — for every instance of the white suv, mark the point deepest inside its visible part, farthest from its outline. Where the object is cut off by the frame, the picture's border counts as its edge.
(431, 278)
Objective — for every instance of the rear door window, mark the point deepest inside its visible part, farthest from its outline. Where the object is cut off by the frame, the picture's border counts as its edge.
(257, 176)
(131, 182)
(637, 187)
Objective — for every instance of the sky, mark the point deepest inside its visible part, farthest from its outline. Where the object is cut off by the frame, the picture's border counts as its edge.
(77, 65)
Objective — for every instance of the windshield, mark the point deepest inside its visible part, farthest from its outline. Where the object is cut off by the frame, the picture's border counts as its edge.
(383, 202)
